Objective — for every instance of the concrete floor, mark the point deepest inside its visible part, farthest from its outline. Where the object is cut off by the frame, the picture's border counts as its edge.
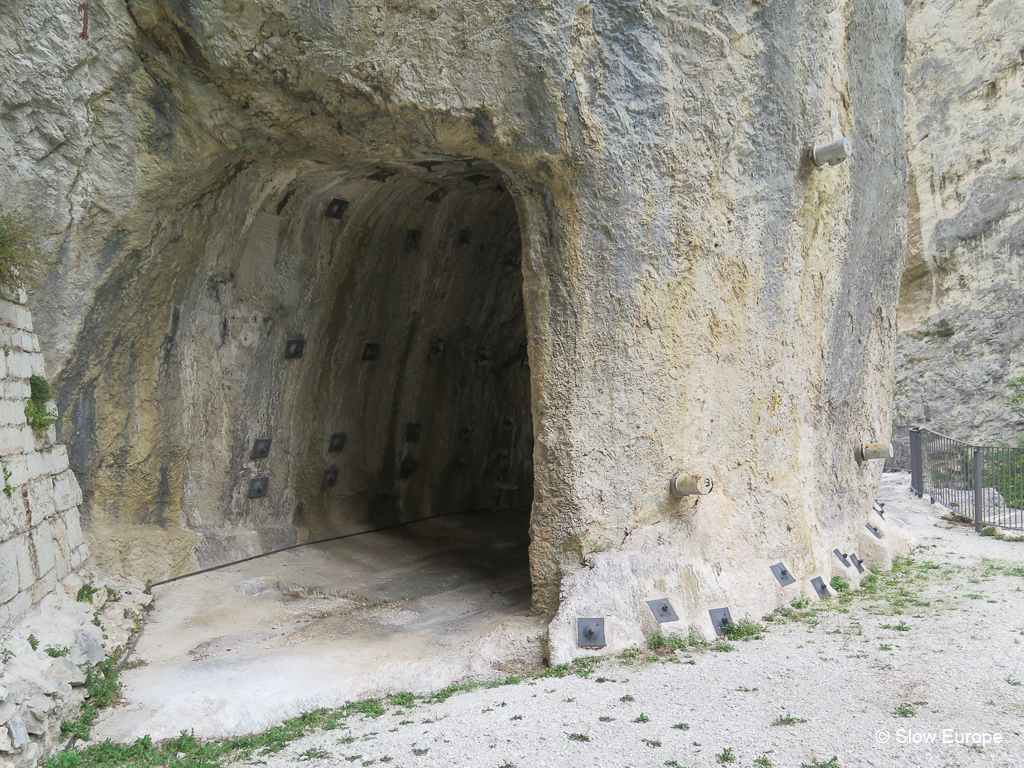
(415, 608)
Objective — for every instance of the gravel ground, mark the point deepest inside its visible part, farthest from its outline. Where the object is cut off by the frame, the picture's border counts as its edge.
(944, 646)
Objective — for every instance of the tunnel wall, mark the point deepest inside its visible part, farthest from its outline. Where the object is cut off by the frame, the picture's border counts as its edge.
(438, 422)
(431, 291)
(697, 295)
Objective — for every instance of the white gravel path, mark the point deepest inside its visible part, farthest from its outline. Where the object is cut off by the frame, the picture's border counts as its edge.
(959, 666)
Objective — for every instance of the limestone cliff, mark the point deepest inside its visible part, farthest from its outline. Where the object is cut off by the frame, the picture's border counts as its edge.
(962, 295)
(603, 212)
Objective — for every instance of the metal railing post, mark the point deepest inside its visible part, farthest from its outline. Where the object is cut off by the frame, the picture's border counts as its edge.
(979, 500)
(916, 463)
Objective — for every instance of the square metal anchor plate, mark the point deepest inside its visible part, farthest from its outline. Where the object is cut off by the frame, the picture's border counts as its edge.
(337, 444)
(260, 449)
(874, 531)
(857, 562)
(662, 610)
(503, 498)
(258, 487)
(783, 575)
(721, 619)
(590, 633)
(879, 507)
(371, 351)
(819, 586)
(842, 558)
(336, 208)
(330, 479)
(294, 348)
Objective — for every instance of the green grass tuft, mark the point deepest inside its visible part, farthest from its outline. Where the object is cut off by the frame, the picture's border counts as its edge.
(788, 719)
(402, 698)
(745, 630)
(904, 710)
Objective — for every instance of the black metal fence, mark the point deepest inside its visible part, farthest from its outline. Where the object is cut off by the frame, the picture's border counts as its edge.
(983, 483)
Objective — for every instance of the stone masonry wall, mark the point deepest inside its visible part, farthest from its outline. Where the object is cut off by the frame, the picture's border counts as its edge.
(40, 537)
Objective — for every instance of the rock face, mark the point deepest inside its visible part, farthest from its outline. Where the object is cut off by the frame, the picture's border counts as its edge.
(622, 192)
(961, 296)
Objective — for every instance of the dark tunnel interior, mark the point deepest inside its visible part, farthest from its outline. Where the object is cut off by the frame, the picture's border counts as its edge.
(418, 392)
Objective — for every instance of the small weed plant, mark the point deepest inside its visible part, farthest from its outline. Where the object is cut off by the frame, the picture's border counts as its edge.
(103, 686)
(788, 719)
(904, 710)
(85, 593)
(833, 763)
(745, 630)
(839, 584)
(726, 756)
(37, 410)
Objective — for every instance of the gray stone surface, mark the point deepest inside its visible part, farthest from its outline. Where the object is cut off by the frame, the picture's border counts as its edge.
(87, 647)
(962, 295)
(39, 692)
(16, 732)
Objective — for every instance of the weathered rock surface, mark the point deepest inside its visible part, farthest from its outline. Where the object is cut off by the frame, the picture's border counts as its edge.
(38, 691)
(694, 294)
(962, 295)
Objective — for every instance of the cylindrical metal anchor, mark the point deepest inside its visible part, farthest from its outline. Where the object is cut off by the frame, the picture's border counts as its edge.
(691, 485)
(868, 451)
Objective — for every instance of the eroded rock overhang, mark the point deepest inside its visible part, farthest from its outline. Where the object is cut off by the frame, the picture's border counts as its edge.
(696, 295)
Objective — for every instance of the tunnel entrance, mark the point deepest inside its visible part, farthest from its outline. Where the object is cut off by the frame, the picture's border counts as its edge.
(370, 345)
(415, 397)
(405, 397)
